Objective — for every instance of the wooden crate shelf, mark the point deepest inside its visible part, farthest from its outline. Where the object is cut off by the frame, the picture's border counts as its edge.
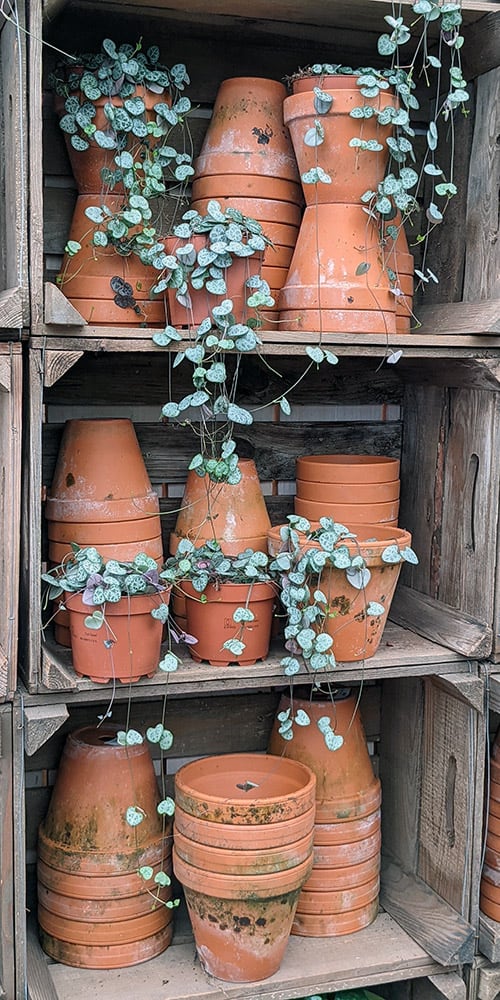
(10, 513)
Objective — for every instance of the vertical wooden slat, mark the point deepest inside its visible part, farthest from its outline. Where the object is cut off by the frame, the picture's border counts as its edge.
(36, 168)
(400, 764)
(31, 528)
(7, 938)
(482, 238)
(10, 498)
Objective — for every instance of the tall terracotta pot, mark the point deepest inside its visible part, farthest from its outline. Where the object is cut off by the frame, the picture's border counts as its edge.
(356, 634)
(242, 917)
(212, 622)
(89, 856)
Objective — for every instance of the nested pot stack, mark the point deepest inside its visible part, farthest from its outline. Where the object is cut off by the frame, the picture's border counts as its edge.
(247, 161)
(351, 489)
(326, 289)
(490, 880)
(341, 894)
(101, 496)
(94, 909)
(243, 840)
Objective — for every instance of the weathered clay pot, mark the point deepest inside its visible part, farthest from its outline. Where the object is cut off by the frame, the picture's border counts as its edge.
(347, 469)
(212, 622)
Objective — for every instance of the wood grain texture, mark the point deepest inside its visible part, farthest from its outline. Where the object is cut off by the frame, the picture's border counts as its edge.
(11, 308)
(14, 182)
(481, 49)
(441, 623)
(489, 945)
(482, 261)
(7, 938)
(58, 309)
(10, 512)
(444, 934)
(456, 318)
(40, 723)
(35, 119)
(400, 768)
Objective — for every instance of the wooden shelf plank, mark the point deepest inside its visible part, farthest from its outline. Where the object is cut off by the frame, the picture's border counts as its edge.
(441, 623)
(380, 953)
(401, 653)
(489, 942)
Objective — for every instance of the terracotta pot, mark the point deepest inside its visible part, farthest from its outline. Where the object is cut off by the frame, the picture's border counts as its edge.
(85, 834)
(489, 890)
(263, 837)
(352, 171)
(346, 787)
(347, 469)
(398, 258)
(489, 908)
(349, 513)
(212, 622)
(246, 134)
(267, 211)
(247, 860)
(87, 165)
(85, 277)
(247, 186)
(347, 877)
(100, 474)
(339, 901)
(493, 842)
(357, 636)
(494, 793)
(492, 859)
(351, 831)
(494, 766)
(347, 493)
(216, 789)
(134, 634)
(323, 289)
(334, 924)
(495, 750)
(241, 925)
(202, 302)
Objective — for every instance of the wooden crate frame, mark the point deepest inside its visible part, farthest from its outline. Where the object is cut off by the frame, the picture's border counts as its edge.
(14, 138)
(10, 511)
(431, 835)
(12, 856)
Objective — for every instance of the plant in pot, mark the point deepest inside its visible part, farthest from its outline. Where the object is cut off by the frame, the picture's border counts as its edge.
(117, 611)
(358, 125)
(229, 601)
(123, 115)
(332, 583)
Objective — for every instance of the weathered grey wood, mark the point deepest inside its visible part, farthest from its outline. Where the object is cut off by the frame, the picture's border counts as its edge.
(388, 954)
(465, 687)
(441, 623)
(57, 363)
(13, 172)
(493, 687)
(481, 50)
(456, 318)
(447, 796)
(10, 501)
(489, 945)
(489, 976)
(36, 165)
(400, 768)
(7, 938)
(482, 261)
(58, 309)
(444, 934)
(40, 723)
(40, 983)
(450, 985)
(11, 308)
(31, 527)
(19, 849)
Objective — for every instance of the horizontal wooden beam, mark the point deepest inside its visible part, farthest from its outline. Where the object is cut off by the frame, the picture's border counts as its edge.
(427, 918)
(11, 309)
(441, 623)
(455, 318)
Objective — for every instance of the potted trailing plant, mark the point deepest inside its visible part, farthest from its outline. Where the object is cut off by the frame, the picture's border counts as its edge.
(123, 115)
(229, 601)
(332, 584)
(384, 112)
(116, 614)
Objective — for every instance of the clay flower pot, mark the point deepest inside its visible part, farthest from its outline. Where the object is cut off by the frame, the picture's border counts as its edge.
(94, 910)
(347, 469)
(268, 211)
(348, 513)
(127, 645)
(212, 622)
(231, 836)
(357, 635)
(241, 899)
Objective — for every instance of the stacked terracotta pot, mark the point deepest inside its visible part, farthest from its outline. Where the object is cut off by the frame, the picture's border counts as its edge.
(490, 881)
(243, 840)
(341, 894)
(101, 496)
(351, 489)
(337, 280)
(247, 162)
(94, 909)
(236, 516)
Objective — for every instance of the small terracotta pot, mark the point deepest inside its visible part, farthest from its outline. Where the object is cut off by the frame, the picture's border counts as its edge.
(247, 860)
(212, 622)
(135, 638)
(357, 636)
(241, 925)
(348, 493)
(347, 791)
(85, 277)
(230, 836)
(328, 879)
(245, 789)
(324, 287)
(86, 849)
(334, 924)
(349, 831)
(352, 171)
(349, 513)
(340, 855)
(347, 469)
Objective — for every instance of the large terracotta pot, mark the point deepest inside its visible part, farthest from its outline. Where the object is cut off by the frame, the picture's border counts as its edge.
(241, 898)
(357, 635)
(323, 290)
(352, 171)
(85, 277)
(125, 648)
(212, 622)
(94, 910)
